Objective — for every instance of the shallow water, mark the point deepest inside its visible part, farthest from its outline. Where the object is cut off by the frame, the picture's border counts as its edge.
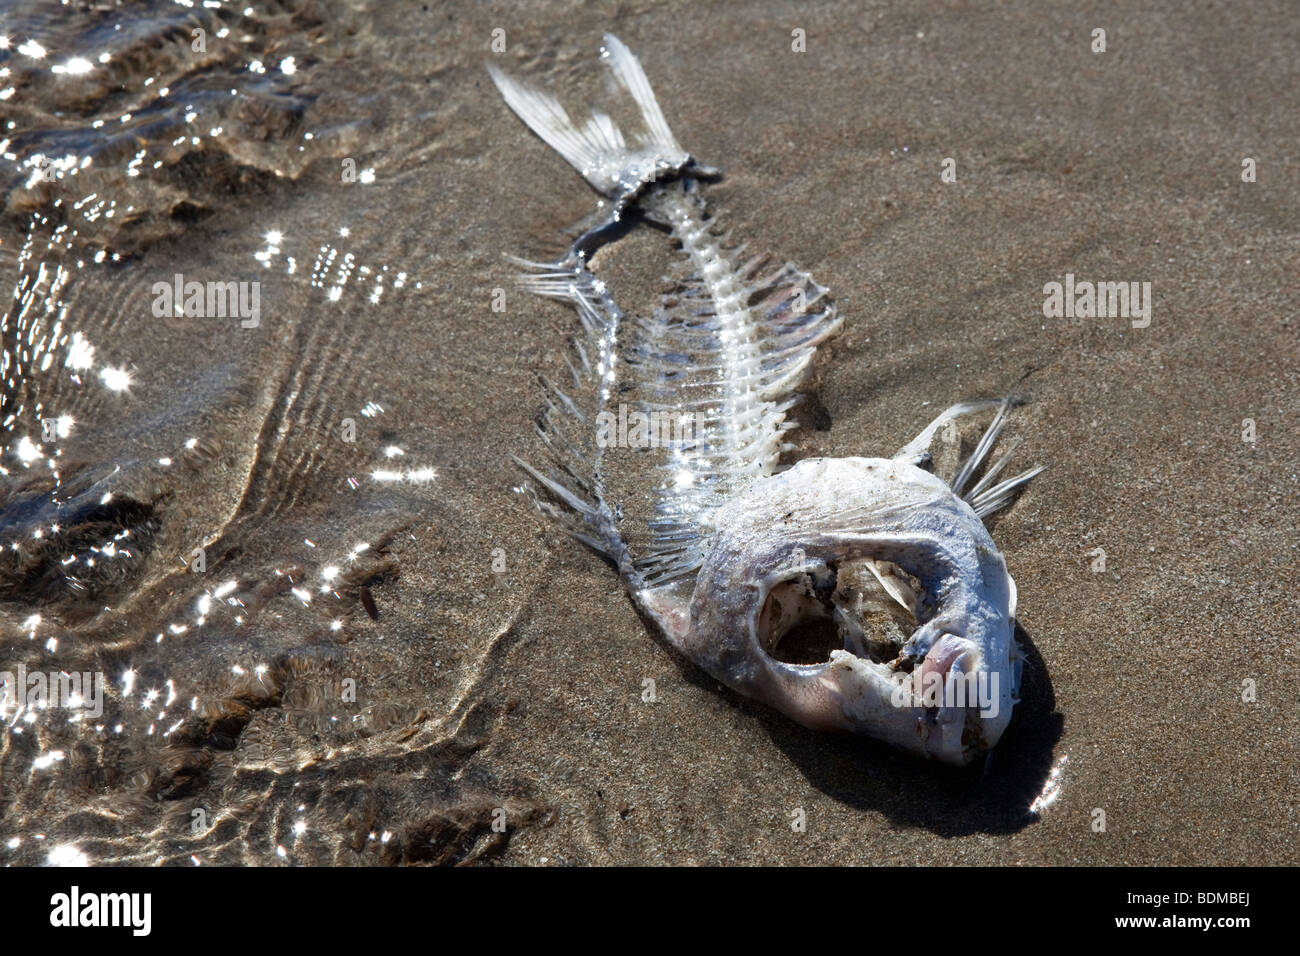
(349, 452)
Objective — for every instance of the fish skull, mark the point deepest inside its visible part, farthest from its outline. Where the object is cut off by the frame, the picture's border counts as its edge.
(776, 557)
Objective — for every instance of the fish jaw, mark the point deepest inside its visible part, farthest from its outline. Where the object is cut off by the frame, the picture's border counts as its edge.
(949, 694)
(950, 709)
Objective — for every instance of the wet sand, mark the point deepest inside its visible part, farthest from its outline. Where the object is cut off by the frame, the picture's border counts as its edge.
(521, 688)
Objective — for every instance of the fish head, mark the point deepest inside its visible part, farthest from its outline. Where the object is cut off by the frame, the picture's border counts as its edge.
(860, 595)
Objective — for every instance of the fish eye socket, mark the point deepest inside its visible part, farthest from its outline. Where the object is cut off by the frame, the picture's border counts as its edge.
(841, 606)
(795, 629)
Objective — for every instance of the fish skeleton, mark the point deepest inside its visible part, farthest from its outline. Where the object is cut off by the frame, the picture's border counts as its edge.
(740, 551)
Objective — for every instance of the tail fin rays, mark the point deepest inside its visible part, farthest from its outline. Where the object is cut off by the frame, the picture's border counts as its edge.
(598, 149)
(627, 70)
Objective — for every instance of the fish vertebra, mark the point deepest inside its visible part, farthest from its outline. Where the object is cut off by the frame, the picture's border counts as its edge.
(740, 551)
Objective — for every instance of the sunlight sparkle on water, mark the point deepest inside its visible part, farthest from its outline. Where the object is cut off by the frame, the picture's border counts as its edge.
(67, 855)
(45, 761)
(74, 67)
(413, 475)
(1051, 789)
(116, 379)
(27, 451)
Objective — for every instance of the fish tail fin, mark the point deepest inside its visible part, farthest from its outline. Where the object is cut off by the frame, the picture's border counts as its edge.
(627, 70)
(598, 149)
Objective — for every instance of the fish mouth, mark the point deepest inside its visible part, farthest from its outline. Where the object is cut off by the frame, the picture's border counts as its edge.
(848, 634)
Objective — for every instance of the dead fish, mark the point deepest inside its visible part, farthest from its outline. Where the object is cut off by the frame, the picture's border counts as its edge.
(741, 551)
